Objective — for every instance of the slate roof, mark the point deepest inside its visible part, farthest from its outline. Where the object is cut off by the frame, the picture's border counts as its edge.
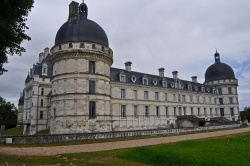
(115, 72)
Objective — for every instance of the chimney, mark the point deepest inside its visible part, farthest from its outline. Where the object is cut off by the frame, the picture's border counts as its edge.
(194, 79)
(175, 74)
(73, 11)
(128, 66)
(41, 57)
(46, 52)
(161, 72)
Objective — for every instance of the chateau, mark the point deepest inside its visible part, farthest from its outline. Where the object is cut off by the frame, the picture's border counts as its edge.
(74, 89)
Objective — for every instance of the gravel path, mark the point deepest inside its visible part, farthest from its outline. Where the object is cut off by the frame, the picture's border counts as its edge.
(47, 151)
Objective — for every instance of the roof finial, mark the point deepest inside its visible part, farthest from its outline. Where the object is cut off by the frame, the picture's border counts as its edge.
(216, 50)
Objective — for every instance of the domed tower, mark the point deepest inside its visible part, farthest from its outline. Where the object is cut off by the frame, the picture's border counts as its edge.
(81, 60)
(222, 77)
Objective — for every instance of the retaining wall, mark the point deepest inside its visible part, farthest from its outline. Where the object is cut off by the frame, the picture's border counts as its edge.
(81, 137)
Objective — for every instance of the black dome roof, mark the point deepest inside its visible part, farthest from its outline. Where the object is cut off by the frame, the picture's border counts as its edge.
(218, 70)
(81, 29)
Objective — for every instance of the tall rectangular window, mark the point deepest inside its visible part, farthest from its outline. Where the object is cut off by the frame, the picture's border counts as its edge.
(219, 91)
(230, 100)
(92, 110)
(166, 97)
(191, 98)
(183, 98)
(179, 98)
(221, 111)
(123, 94)
(145, 95)
(156, 96)
(180, 112)
(229, 90)
(135, 112)
(198, 99)
(135, 94)
(41, 114)
(92, 67)
(215, 101)
(157, 112)
(174, 97)
(184, 111)
(204, 100)
(192, 111)
(42, 91)
(232, 111)
(205, 111)
(91, 86)
(146, 112)
(211, 111)
(123, 111)
(199, 112)
(41, 102)
(221, 100)
(174, 111)
(166, 111)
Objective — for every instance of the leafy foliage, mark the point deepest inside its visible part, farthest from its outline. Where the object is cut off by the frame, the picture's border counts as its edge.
(13, 15)
(8, 114)
(245, 114)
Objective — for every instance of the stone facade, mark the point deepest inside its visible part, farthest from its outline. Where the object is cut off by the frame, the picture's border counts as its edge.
(74, 89)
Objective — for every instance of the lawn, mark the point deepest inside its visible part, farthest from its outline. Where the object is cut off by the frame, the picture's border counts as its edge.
(227, 150)
(14, 131)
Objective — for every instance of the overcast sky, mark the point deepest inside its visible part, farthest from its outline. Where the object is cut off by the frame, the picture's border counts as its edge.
(178, 35)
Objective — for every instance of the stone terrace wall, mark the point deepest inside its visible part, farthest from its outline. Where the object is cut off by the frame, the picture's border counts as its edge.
(81, 137)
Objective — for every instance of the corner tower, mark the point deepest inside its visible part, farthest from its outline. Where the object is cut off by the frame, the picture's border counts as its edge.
(222, 77)
(81, 60)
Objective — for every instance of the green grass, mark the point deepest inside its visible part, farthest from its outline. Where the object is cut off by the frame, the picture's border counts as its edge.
(14, 131)
(43, 132)
(228, 150)
(219, 151)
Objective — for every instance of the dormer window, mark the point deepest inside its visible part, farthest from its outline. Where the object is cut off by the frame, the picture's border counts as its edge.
(164, 84)
(172, 84)
(122, 77)
(102, 48)
(144, 81)
(155, 82)
(208, 90)
(190, 87)
(70, 45)
(93, 46)
(202, 89)
(196, 88)
(82, 45)
(133, 79)
(44, 70)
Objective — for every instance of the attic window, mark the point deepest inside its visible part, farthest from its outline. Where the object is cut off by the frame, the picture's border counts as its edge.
(122, 77)
(102, 48)
(155, 82)
(190, 87)
(144, 81)
(70, 45)
(133, 79)
(202, 89)
(82, 45)
(93, 46)
(164, 84)
(44, 70)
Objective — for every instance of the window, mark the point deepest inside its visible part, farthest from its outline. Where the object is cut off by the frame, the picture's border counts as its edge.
(199, 112)
(82, 45)
(179, 97)
(41, 102)
(135, 94)
(190, 87)
(210, 100)
(123, 94)
(156, 96)
(54, 112)
(166, 111)
(204, 100)
(123, 111)
(229, 90)
(219, 91)
(211, 111)
(42, 91)
(183, 98)
(41, 114)
(102, 48)
(70, 45)
(135, 112)
(144, 81)
(230, 100)
(44, 70)
(205, 111)
(221, 111)
(43, 79)
(174, 111)
(180, 112)
(122, 78)
(60, 47)
(174, 97)
(232, 111)
(192, 111)
(191, 99)
(198, 99)
(146, 112)
(91, 86)
(184, 110)
(215, 101)
(93, 46)
(166, 97)
(145, 95)
(157, 112)
(164, 84)
(92, 67)
(92, 110)
(221, 100)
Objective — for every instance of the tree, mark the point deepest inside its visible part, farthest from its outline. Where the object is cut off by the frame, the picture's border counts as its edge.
(13, 14)
(245, 114)
(8, 114)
